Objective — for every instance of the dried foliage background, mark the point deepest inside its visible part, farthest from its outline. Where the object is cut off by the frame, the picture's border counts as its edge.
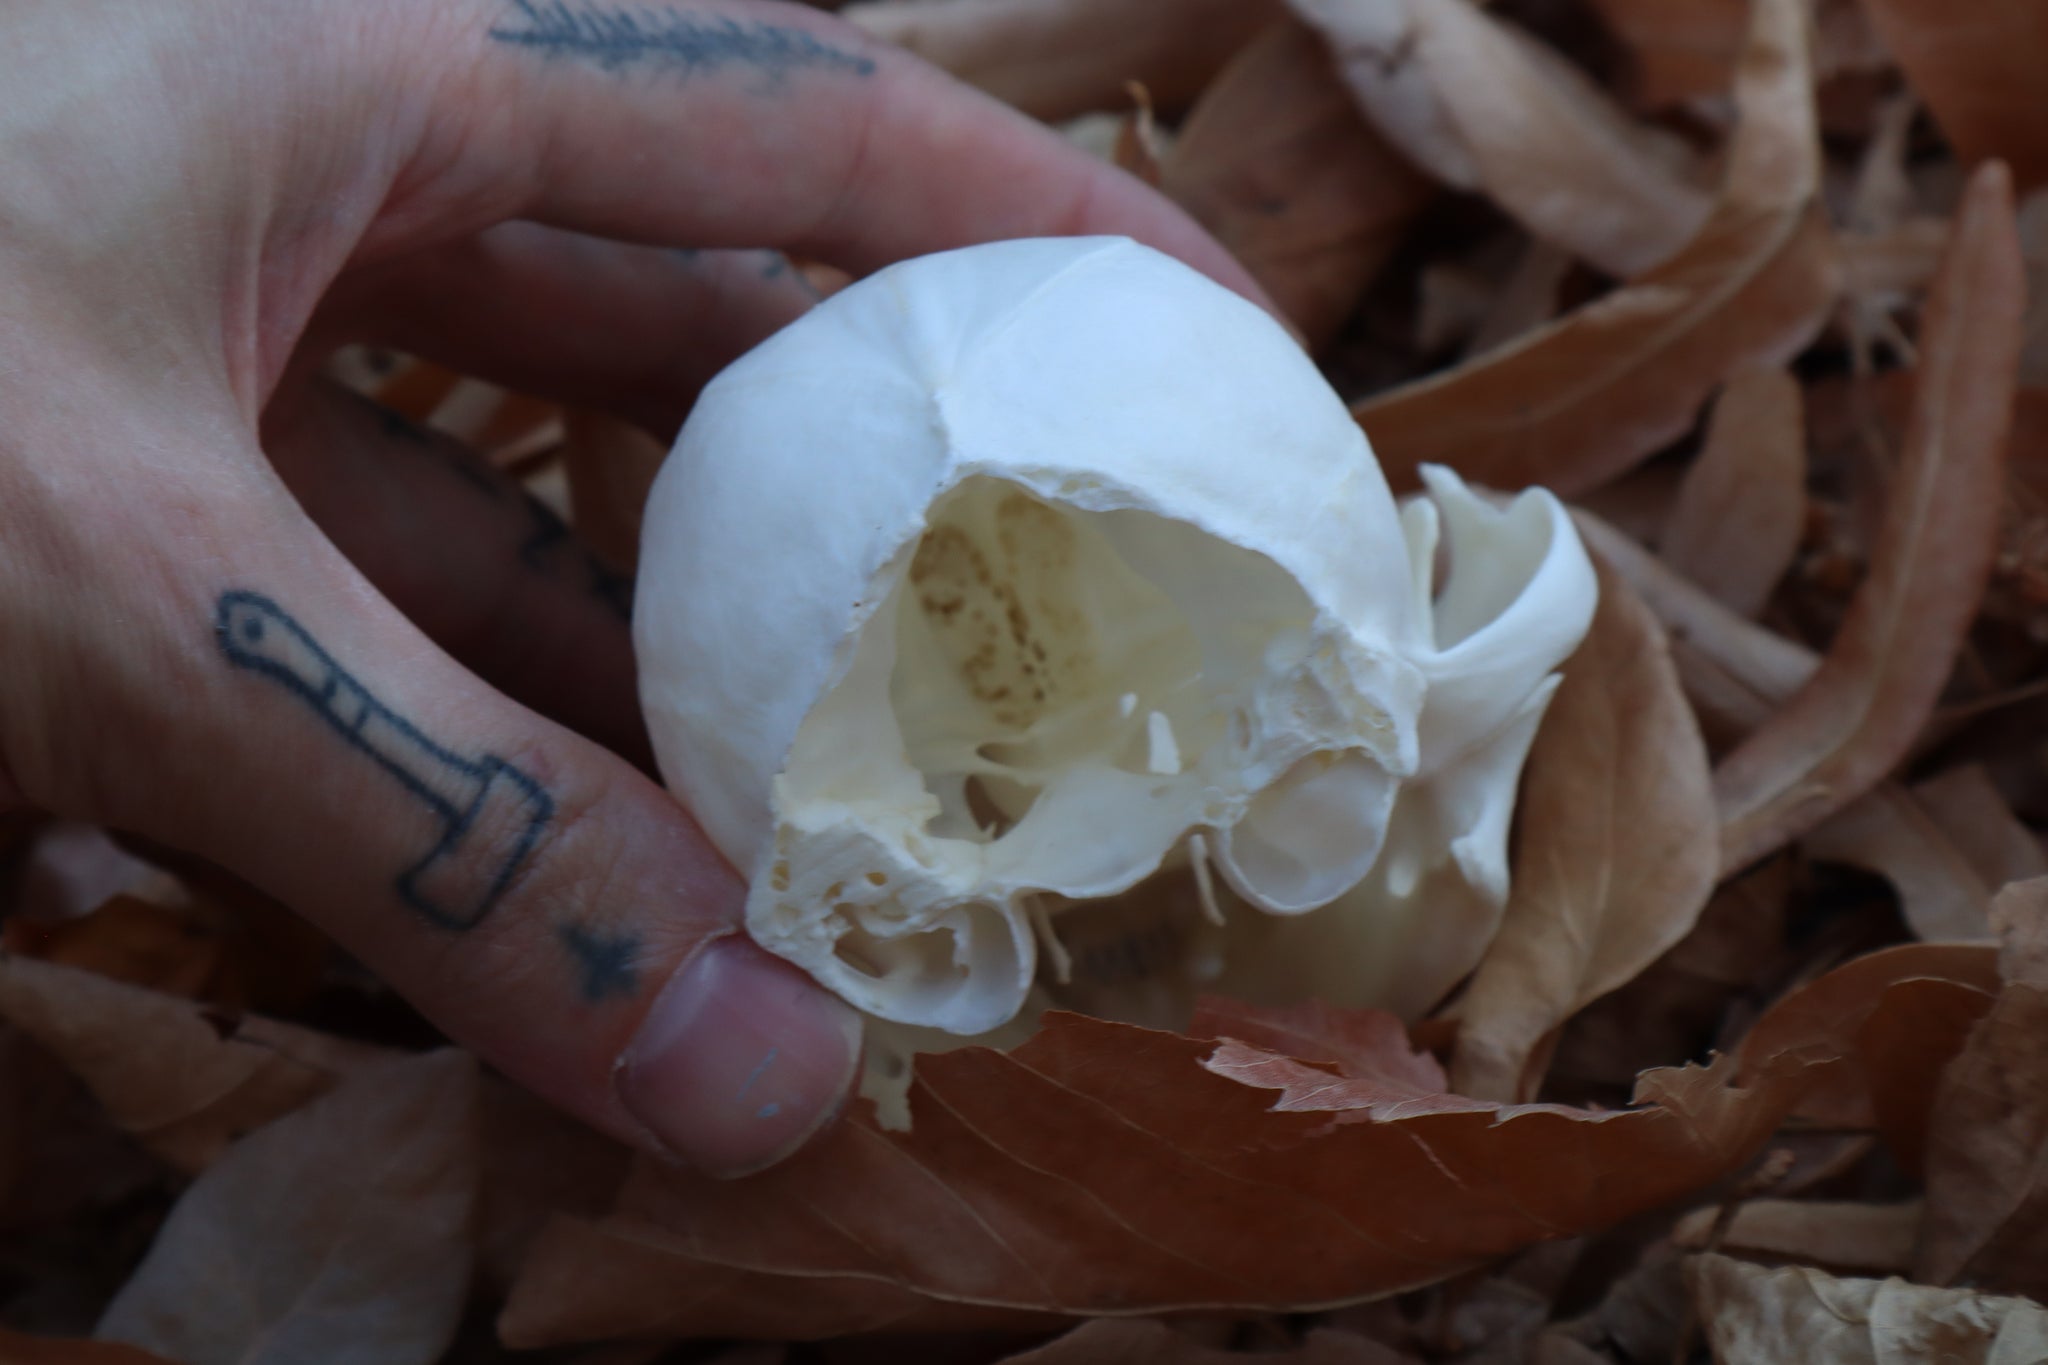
(1757, 1065)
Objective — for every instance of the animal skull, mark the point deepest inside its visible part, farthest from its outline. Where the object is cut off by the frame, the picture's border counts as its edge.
(1011, 574)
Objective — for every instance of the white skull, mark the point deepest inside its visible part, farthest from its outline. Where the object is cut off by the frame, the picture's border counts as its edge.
(1010, 574)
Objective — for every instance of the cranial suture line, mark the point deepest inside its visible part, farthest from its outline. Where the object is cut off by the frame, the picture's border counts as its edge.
(491, 814)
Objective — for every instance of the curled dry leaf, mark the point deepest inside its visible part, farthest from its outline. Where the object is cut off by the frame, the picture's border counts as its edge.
(1739, 514)
(1755, 1316)
(1276, 162)
(1575, 403)
(1102, 1168)
(1987, 1191)
(1617, 852)
(1884, 671)
(1889, 1022)
(1483, 106)
(184, 1080)
(1055, 60)
(339, 1233)
(1981, 77)
(1871, 1238)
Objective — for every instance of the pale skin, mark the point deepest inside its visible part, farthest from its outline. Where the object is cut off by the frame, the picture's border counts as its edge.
(248, 616)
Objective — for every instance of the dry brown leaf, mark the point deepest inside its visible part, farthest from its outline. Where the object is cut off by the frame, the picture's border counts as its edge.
(1057, 58)
(1987, 1157)
(1944, 855)
(611, 464)
(1146, 1341)
(1755, 1316)
(1103, 1168)
(1891, 1021)
(1859, 713)
(1677, 1007)
(185, 1080)
(1526, 300)
(1871, 1238)
(1617, 850)
(1643, 1314)
(1736, 672)
(1951, 833)
(534, 1162)
(1685, 49)
(1979, 72)
(1762, 665)
(415, 389)
(87, 901)
(16, 1348)
(1681, 48)
(131, 939)
(1942, 892)
(1916, 1043)
(1883, 195)
(1276, 162)
(505, 428)
(1742, 506)
(1885, 270)
(339, 1233)
(1575, 403)
(1485, 107)
(1361, 1044)
(1497, 1317)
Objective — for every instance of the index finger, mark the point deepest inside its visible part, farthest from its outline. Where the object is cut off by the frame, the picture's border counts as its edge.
(741, 122)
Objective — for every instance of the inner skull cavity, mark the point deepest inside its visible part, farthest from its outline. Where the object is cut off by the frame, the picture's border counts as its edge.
(1047, 704)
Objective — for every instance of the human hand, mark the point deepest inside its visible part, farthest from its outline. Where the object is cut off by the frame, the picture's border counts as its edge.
(241, 609)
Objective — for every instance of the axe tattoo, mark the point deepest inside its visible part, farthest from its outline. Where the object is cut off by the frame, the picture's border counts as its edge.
(491, 814)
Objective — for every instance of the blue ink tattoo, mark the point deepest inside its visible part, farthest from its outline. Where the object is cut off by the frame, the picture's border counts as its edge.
(549, 548)
(491, 815)
(549, 538)
(606, 960)
(616, 36)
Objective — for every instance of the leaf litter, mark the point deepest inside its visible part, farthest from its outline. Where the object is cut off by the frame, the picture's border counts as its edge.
(1753, 1068)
